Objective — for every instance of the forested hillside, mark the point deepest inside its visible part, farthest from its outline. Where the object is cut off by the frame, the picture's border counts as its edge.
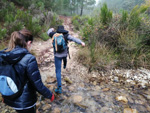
(16, 15)
(117, 5)
(36, 15)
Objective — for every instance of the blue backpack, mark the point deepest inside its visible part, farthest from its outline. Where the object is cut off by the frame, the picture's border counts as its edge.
(59, 43)
(10, 84)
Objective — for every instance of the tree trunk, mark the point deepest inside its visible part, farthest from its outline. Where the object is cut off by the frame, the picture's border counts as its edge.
(81, 9)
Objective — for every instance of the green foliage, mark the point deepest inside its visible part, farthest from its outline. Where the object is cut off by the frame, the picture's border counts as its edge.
(129, 40)
(75, 22)
(15, 26)
(67, 7)
(91, 21)
(87, 33)
(134, 18)
(53, 20)
(124, 16)
(79, 21)
(33, 25)
(117, 5)
(20, 19)
(9, 18)
(2, 33)
(105, 14)
(44, 36)
(25, 3)
(13, 18)
(121, 42)
(40, 5)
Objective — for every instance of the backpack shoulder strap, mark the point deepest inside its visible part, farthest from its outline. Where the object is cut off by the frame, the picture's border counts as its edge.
(65, 37)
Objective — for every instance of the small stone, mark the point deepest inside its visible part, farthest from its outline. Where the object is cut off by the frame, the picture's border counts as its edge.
(46, 55)
(142, 108)
(50, 86)
(77, 99)
(94, 83)
(97, 88)
(105, 110)
(95, 93)
(148, 97)
(81, 85)
(122, 99)
(46, 107)
(71, 88)
(130, 100)
(106, 89)
(139, 102)
(50, 80)
(81, 105)
(148, 107)
(56, 110)
(129, 110)
(116, 79)
(68, 80)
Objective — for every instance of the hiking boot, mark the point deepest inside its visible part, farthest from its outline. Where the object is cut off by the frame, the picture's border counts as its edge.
(64, 66)
(58, 90)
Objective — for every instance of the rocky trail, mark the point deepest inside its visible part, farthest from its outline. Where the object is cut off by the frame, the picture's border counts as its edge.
(116, 91)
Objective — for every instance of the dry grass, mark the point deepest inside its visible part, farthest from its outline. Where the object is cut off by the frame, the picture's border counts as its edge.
(3, 44)
(102, 59)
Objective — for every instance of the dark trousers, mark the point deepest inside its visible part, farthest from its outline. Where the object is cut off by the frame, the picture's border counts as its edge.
(30, 110)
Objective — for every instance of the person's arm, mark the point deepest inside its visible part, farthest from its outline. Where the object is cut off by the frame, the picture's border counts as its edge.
(50, 30)
(35, 78)
(76, 40)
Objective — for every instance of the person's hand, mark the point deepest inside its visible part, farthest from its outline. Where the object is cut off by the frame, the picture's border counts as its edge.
(83, 44)
(52, 98)
(52, 29)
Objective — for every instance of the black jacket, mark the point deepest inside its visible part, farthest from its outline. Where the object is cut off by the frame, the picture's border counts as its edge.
(26, 66)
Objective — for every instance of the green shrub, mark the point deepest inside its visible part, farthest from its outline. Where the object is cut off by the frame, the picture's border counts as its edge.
(55, 21)
(15, 26)
(124, 17)
(40, 5)
(79, 21)
(9, 17)
(105, 14)
(134, 17)
(44, 36)
(87, 32)
(76, 24)
(2, 33)
(129, 41)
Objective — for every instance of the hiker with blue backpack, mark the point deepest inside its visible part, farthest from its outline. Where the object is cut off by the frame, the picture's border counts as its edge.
(22, 63)
(60, 40)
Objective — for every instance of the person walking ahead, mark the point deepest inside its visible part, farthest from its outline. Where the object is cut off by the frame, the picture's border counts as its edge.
(59, 56)
(26, 65)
